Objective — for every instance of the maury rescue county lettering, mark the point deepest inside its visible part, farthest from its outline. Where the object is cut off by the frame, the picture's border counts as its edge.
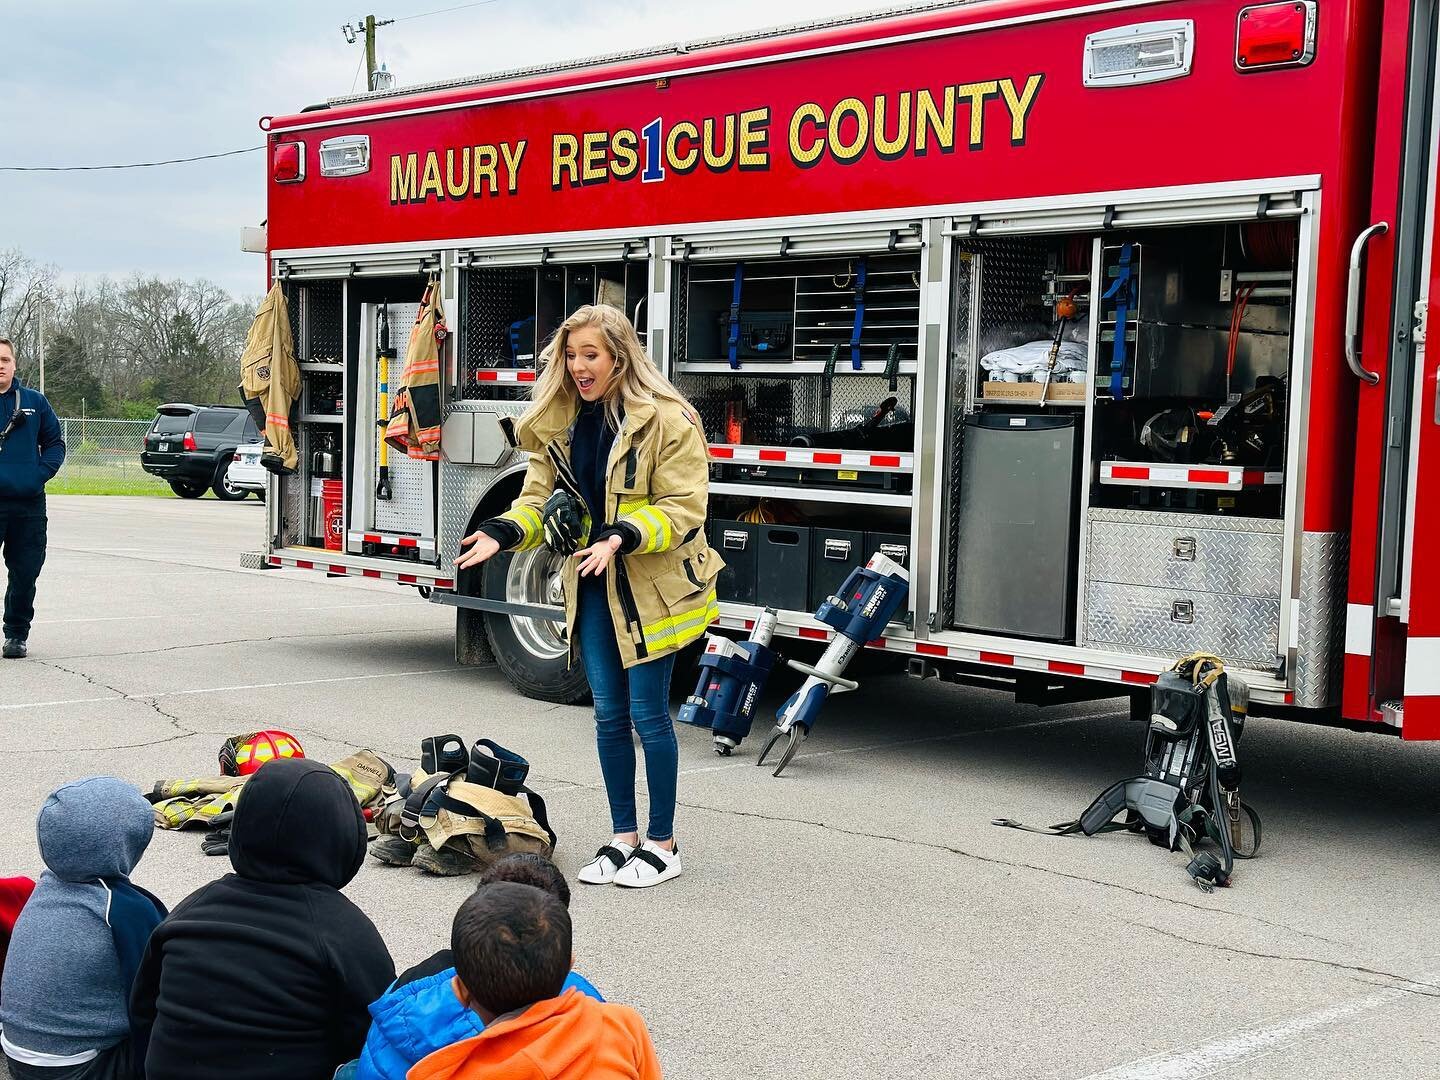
(905, 123)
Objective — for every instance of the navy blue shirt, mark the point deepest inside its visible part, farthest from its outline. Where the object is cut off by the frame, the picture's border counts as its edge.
(33, 452)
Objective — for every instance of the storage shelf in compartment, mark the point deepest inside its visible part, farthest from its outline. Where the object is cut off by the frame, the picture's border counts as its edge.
(858, 460)
(797, 494)
(1196, 477)
(315, 418)
(505, 375)
(323, 367)
(793, 367)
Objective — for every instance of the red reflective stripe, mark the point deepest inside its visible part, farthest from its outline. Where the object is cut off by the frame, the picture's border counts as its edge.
(1290, 699)
(408, 579)
(996, 658)
(444, 583)
(1209, 476)
(722, 452)
(1141, 677)
(811, 632)
(878, 643)
(371, 538)
(409, 541)
(1128, 472)
(772, 455)
(301, 564)
(274, 560)
(885, 461)
(925, 648)
(827, 459)
(1062, 667)
(339, 570)
(371, 573)
(1422, 717)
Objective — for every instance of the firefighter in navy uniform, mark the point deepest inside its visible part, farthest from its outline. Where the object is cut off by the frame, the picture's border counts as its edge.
(31, 452)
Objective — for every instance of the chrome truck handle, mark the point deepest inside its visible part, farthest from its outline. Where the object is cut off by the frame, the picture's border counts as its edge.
(1352, 304)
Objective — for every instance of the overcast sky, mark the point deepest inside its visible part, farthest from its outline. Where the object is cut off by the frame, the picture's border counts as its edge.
(89, 82)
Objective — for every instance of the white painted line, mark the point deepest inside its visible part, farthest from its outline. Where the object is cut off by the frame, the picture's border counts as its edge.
(157, 695)
(1223, 1053)
(287, 612)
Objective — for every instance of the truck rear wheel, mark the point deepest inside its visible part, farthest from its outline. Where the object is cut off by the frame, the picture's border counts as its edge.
(534, 654)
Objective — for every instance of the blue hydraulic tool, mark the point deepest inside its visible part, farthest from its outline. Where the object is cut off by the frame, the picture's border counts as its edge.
(859, 613)
(732, 676)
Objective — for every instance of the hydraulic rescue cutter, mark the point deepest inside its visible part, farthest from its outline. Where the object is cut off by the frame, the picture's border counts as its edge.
(732, 677)
(859, 614)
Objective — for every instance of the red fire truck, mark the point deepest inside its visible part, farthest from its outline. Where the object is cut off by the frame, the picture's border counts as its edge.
(1106, 319)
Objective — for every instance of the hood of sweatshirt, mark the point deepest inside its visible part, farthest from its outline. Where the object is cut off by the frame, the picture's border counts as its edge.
(561, 1037)
(297, 823)
(94, 828)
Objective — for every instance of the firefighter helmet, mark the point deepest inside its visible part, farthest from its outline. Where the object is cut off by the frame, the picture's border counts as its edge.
(241, 755)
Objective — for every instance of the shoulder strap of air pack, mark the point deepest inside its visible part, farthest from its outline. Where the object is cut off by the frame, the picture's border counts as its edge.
(859, 327)
(1120, 292)
(733, 341)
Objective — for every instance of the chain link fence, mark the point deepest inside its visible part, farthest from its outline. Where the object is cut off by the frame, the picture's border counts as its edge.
(103, 458)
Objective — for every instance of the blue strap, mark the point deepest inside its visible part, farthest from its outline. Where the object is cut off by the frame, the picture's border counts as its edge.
(1120, 292)
(734, 340)
(855, 361)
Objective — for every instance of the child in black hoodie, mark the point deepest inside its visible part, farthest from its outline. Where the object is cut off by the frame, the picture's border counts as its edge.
(267, 972)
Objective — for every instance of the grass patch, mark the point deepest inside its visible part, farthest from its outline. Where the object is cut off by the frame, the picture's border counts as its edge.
(103, 484)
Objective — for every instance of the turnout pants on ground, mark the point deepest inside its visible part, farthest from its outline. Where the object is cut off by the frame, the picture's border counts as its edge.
(22, 545)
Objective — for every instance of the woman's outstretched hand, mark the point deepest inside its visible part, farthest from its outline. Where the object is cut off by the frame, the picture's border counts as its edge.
(596, 557)
(485, 546)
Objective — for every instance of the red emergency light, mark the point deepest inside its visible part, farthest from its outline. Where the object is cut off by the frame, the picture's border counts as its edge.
(287, 162)
(1275, 35)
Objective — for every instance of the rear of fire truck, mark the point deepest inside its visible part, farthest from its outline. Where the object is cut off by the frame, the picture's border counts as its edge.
(1045, 301)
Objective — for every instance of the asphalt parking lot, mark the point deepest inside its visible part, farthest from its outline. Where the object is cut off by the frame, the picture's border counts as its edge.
(858, 917)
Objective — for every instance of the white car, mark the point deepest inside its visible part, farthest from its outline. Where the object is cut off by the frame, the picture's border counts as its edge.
(245, 472)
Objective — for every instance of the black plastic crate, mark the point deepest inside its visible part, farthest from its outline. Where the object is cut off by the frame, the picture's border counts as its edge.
(783, 567)
(833, 554)
(894, 546)
(738, 544)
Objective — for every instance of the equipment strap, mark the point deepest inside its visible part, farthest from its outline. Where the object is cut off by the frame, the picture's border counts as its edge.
(855, 361)
(1120, 291)
(735, 289)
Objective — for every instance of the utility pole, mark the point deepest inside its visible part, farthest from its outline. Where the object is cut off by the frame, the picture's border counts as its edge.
(368, 26)
(42, 302)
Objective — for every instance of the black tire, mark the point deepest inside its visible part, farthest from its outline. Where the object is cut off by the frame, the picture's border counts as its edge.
(222, 487)
(532, 653)
(187, 490)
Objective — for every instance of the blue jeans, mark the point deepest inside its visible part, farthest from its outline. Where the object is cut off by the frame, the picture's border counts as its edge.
(638, 698)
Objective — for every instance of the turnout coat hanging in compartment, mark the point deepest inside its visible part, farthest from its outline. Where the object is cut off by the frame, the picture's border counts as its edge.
(414, 426)
(270, 380)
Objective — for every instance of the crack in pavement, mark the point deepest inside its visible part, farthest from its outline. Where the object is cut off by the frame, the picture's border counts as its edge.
(170, 718)
(933, 846)
(1394, 980)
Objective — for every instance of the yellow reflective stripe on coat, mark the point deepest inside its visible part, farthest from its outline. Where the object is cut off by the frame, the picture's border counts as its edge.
(528, 518)
(677, 630)
(655, 531)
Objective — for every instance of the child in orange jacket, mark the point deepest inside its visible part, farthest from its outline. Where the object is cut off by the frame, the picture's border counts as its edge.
(512, 946)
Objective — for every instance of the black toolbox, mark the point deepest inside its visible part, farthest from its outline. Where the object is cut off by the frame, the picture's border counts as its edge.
(737, 543)
(833, 554)
(783, 567)
(895, 546)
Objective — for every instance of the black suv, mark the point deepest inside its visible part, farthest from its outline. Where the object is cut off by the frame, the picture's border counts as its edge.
(190, 447)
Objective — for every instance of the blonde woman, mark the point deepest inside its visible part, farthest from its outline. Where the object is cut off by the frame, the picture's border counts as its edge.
(611, 433)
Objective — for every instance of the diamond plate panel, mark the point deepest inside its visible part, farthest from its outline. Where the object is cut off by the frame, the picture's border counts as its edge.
(324, 321)
(1243, 629)
(493, 298)
(1324, 566)
(1238, 556)
(463, 486)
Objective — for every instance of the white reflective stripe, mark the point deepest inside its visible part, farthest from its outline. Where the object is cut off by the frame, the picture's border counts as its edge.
(46, 1061)
(1422, 667)
(1359, 629)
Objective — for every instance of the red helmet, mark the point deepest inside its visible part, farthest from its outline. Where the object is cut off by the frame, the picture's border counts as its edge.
(241, 755)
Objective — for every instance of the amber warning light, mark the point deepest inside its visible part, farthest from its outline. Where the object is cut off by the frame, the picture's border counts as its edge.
(1275, 35)
(287, 162)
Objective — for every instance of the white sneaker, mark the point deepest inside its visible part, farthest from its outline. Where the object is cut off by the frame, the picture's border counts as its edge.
(649, 865)
(608, 860)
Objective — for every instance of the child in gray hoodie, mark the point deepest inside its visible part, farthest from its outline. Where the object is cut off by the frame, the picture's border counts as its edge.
(64, 1002)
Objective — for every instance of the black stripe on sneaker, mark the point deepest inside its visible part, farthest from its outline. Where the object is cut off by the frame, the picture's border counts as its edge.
(654, 860)
(615, 855)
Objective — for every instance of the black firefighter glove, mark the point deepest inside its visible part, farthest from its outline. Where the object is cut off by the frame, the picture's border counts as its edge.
(563, 523)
